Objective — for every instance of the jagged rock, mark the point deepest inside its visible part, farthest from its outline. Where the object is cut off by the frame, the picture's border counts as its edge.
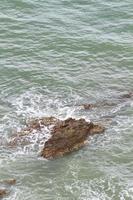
(69, 135)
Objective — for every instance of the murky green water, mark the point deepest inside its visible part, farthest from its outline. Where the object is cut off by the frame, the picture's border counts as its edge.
(55, 55)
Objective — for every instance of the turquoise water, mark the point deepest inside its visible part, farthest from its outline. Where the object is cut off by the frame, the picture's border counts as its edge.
(55, 55)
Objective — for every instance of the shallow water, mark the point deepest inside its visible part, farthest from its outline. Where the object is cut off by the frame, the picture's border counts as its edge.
(55, 55)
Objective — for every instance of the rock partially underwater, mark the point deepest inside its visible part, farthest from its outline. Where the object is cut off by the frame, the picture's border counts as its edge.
(69, 135)
(66, 135)
(35, 131)
(114, 101)
(3, 192)
(6, 187)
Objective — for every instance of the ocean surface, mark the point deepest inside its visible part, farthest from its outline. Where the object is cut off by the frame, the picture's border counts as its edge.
(54, 56)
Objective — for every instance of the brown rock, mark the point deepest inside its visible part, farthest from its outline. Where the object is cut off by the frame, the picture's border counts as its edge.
(38, 123)
(22, 138)
(9, 181)
(66, 136)
(69, 135)
(88, 106)
(98, 105)
(127, 95)
(3, 192)
(6, 184)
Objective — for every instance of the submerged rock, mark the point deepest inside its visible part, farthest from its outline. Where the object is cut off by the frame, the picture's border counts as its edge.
(8, 182)
(6, 186)
(3, 192)
(44, 121)
(33, 132)
(69, 135)
(88, 106)
(126, 95)
(114, 101)
(104, 103)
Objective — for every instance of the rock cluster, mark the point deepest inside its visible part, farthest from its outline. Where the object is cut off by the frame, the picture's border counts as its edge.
(66, 135)
(33, 127)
